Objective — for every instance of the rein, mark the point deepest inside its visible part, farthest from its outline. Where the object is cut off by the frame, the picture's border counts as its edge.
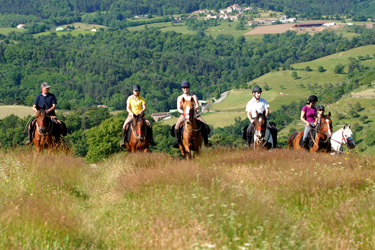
(186, 131)
(49, 129)
(139, 135)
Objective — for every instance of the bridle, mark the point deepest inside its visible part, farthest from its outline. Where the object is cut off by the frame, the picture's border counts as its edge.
(40, 124)
(189, 116)
(140, 135)
(326, 132)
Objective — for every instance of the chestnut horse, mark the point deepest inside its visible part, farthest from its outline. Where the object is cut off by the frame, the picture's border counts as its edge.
(262, 135)
(139, 138)
(192, 138)
(43, 132)
(322, 137)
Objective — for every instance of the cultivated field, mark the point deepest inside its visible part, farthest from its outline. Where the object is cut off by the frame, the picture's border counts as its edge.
(226, 199)
(271, 29)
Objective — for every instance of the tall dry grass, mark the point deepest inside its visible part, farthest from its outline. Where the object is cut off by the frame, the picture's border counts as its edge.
(224, 199)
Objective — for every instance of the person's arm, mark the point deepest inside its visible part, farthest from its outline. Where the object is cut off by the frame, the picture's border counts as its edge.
(250, 117)
(143, 108)
(51, 109)
(196, 103)
(179, 105)
(128, 107)
(34, 108)
(303, 113)
(267, 112)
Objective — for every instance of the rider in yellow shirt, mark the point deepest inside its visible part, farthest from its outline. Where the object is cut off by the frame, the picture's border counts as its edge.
(135, 105)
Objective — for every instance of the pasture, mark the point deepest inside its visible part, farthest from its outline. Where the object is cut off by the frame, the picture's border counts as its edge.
(6, 31)
(226, 199)
(284, 88)
(18, 110)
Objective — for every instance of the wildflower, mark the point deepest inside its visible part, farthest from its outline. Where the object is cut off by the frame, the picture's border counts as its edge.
(271, 206)
(31, 194)
(346, 158)
(347, 152)
(7, 181)
(21, 199)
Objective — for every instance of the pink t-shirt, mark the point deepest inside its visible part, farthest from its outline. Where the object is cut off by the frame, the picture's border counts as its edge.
(310, 113)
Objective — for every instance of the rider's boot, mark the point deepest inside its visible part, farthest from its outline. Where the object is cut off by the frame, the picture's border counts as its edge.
(306, 145)
(30, 133)
(152, 142)
(123, 138)
(207, 143)
(177, 136)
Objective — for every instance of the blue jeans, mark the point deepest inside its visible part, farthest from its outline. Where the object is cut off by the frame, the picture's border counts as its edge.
(307, 131)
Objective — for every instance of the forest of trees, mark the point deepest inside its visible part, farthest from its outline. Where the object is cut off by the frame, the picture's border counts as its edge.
(101, 68)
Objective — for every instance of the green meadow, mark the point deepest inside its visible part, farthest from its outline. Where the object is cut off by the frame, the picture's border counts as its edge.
(18, 110)
(6, 31)
(225, 199)
(284, 89)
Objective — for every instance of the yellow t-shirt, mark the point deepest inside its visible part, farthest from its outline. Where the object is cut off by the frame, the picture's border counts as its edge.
(136, 104)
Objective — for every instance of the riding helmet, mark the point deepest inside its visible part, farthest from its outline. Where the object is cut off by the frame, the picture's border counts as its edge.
(257, 89)
(185, 84)
(321, 107)
(312, 98)
(136, 87)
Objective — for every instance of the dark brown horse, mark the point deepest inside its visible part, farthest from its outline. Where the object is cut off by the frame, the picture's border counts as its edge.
(262, 135)
(43, 132)
(321, 141)
(191, 135)
(139, 138)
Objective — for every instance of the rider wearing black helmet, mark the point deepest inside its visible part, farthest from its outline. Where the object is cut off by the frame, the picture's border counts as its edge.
(308, 116)
(254, 106)
(185, 86)
(135, 105)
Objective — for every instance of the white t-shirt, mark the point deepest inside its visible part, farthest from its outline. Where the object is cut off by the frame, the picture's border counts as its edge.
(254, 106)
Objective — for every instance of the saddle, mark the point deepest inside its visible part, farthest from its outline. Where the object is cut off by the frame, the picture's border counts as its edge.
(309, 139)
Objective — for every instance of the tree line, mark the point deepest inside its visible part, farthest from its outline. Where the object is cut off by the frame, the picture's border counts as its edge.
(88, 70)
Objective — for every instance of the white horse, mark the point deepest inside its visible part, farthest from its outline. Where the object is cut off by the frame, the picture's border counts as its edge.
(342, 136)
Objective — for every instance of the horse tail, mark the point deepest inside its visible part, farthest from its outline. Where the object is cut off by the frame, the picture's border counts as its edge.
(291, 139)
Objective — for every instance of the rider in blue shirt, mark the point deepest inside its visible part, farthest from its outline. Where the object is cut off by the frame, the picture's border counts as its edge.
(49, 101)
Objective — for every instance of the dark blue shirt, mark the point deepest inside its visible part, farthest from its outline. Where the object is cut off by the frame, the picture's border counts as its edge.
(47, 100)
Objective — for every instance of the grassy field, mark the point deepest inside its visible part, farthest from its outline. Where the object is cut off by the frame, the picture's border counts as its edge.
(79, 28)
(6, 31)
(226, 199)
(18, 110)
(284, 88)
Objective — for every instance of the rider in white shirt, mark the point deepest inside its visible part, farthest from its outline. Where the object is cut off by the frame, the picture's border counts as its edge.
(255, 106)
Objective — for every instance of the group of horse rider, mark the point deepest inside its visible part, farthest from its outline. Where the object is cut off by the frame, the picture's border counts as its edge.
(136, 105)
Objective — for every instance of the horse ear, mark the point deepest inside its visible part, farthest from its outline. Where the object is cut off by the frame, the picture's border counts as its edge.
(37, 107)
(344, 127)
(183, 100)
(143, 115)
(349, 126)
(256, 113)
(329, 114)
(44, 106)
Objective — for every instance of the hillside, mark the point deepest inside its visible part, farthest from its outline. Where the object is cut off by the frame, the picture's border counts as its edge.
(225, 199)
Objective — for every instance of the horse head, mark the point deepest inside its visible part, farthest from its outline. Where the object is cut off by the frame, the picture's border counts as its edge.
(347, 137)
(260, 125)
(139, 127)
(42, 120)
(188, 108)
(326, 125)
